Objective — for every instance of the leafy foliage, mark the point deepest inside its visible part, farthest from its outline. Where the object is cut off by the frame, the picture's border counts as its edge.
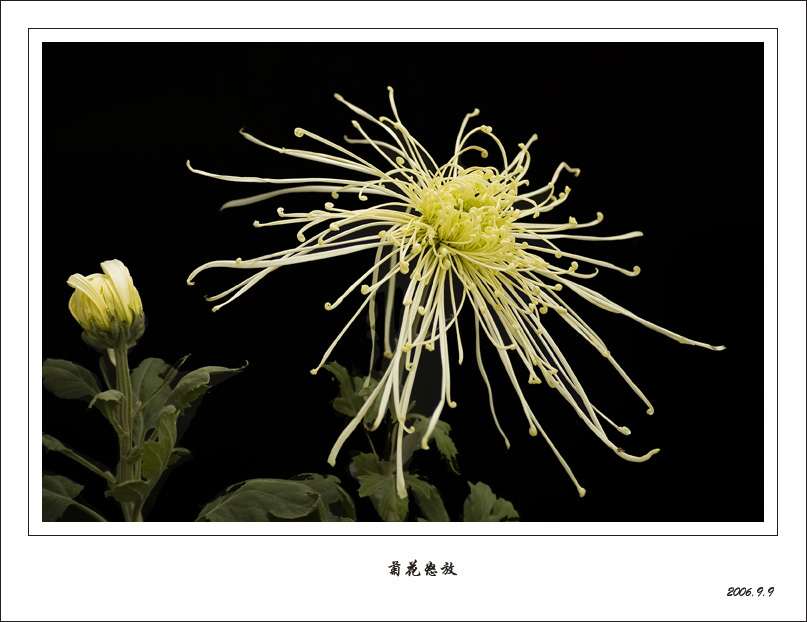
(308, 497)
(484, 506)
(150, 377)
(427, 498)
(335, 500)
(53, 444)
(151, 388)
(130, 491)
(382, 492)
(105, 401)
(58, 494)
(157, 409)
(440, 434)
(69, 380)
(194, 384)
(157, 451)
(378, 481)
(377, 477)
(352, 392)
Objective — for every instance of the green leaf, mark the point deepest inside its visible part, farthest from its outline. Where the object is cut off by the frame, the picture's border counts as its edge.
(382, 492)
(366, 463)
(52, 444)
(440, 434)
(152, 418)
(105, 401)
(411, 442)
(178, 454)
(264, 500)
(131, 491)
(58, 494)
(348, 507)
(68, 380)
(353, 393)
(151, 386)
(157, 451)
(446, 446)
(364, 393)
(377, 481)
(427, 498)
(484, 506)
(148, 377)
(373, 482)
(336, 502)
(196, 383)
(349, 401)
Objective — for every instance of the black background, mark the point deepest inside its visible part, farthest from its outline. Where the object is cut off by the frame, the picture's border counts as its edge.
(669, 140)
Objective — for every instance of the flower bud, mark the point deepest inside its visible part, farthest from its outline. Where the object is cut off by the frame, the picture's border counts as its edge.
(107, 306)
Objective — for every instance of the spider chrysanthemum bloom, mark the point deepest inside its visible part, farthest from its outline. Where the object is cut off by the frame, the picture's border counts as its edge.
(461, 239)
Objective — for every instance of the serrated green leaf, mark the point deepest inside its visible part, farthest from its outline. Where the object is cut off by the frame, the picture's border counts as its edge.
(196, 383)
(336, 503)
(366, 463)
(352, 392)
(411, 442)
(58, 494)
(264, 500)
(157, 451)
(446, 446)
(484, 506)
(53, 444)
(427, 498)
(440, 435)
(372, 482)
(68, 380)
(382, 492)
(348, 403)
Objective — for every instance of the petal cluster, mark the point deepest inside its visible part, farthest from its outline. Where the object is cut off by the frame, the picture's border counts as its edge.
(102, 300)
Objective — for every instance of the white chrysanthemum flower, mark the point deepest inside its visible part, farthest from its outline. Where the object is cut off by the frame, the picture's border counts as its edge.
(461, 238)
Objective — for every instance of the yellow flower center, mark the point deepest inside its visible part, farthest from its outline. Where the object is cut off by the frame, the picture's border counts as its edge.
(471, 212)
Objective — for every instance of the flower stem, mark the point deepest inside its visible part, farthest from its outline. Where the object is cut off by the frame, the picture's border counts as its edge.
(129, 464)
(372, 447)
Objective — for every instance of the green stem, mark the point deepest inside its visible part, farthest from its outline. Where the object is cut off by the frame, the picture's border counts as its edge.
(389, 443)
(129, 466)
(372, 447)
